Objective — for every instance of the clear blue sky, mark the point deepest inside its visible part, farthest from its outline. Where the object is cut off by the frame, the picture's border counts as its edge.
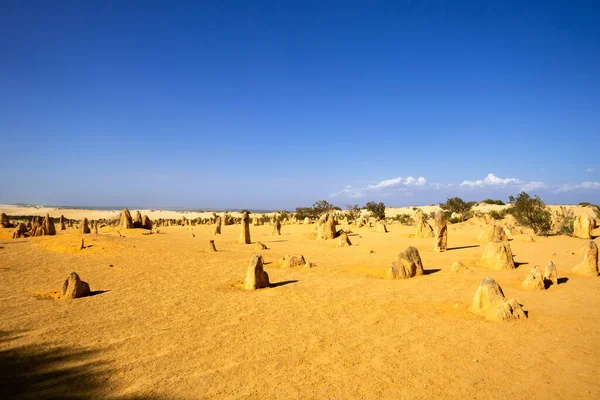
(278, 104)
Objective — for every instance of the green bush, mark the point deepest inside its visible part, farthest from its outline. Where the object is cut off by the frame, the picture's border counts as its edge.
(564, 221)
(459, 206)
(532, 213)
(498, 214)
(353, 211)
(376, 210)
(585, 204)
(318, 208)
(454, 220)
(496, 202)
(404, 219)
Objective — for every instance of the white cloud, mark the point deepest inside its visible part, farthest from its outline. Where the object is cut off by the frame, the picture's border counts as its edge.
(590, 170)
(581, 186)
(490, 180)
(398, 184)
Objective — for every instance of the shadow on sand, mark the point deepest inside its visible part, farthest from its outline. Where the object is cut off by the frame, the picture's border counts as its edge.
(431, 271)
(282, 283)
(48, 372)
(463, 247)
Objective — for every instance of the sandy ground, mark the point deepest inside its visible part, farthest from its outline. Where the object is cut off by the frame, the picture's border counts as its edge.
(167, 320)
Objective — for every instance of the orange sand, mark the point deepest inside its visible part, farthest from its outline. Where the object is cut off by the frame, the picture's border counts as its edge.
(167, 319)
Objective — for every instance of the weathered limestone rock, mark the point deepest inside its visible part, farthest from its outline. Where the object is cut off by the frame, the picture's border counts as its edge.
(95, 227)
(406, 265)
(21, 231)
(326, 227)
(255, 221)
(85, 226)
(344, 240)
(260, 246)
(498, 255)
(137, 220)
(306, 221)
(534, 280)
(211, 246)
(381, 227)
(550, 274)
(490, 302)
(459, 267)
(82, 246)
(441, 231)
(5, 222)
(74, 288)
(292, 261)
(49, 228)
(276, 227)
(582, 226)
(146, 222)
(423, 228)
(245, 233)
(256, 277)
(62, 223)
(589, 265)
(225, 220)
(125, 222)
(492, 233)
(218, 223)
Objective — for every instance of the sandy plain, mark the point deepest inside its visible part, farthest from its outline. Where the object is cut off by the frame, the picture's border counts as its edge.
(168, 320)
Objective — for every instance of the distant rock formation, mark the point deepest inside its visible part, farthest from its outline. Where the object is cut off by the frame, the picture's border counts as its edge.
(85, 226)
(245, 232)
(125, 222)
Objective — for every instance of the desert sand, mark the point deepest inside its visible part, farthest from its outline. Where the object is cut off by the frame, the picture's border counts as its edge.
(167, 319)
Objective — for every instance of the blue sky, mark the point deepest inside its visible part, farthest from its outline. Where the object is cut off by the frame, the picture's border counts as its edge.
(279, 104)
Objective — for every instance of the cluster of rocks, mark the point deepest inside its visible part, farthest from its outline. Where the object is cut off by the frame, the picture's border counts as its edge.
(139, 221)
(39, 226)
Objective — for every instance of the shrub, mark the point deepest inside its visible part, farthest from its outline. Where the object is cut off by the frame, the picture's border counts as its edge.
(496, 202)
(585, 204)
(265, 219)
(498, 214)
(454, 220)
(457, 205)
(377, 210)
(282, 214)
(318, 208)
(532, 213)
(404, 219)
(564, 221)
(353, 211)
